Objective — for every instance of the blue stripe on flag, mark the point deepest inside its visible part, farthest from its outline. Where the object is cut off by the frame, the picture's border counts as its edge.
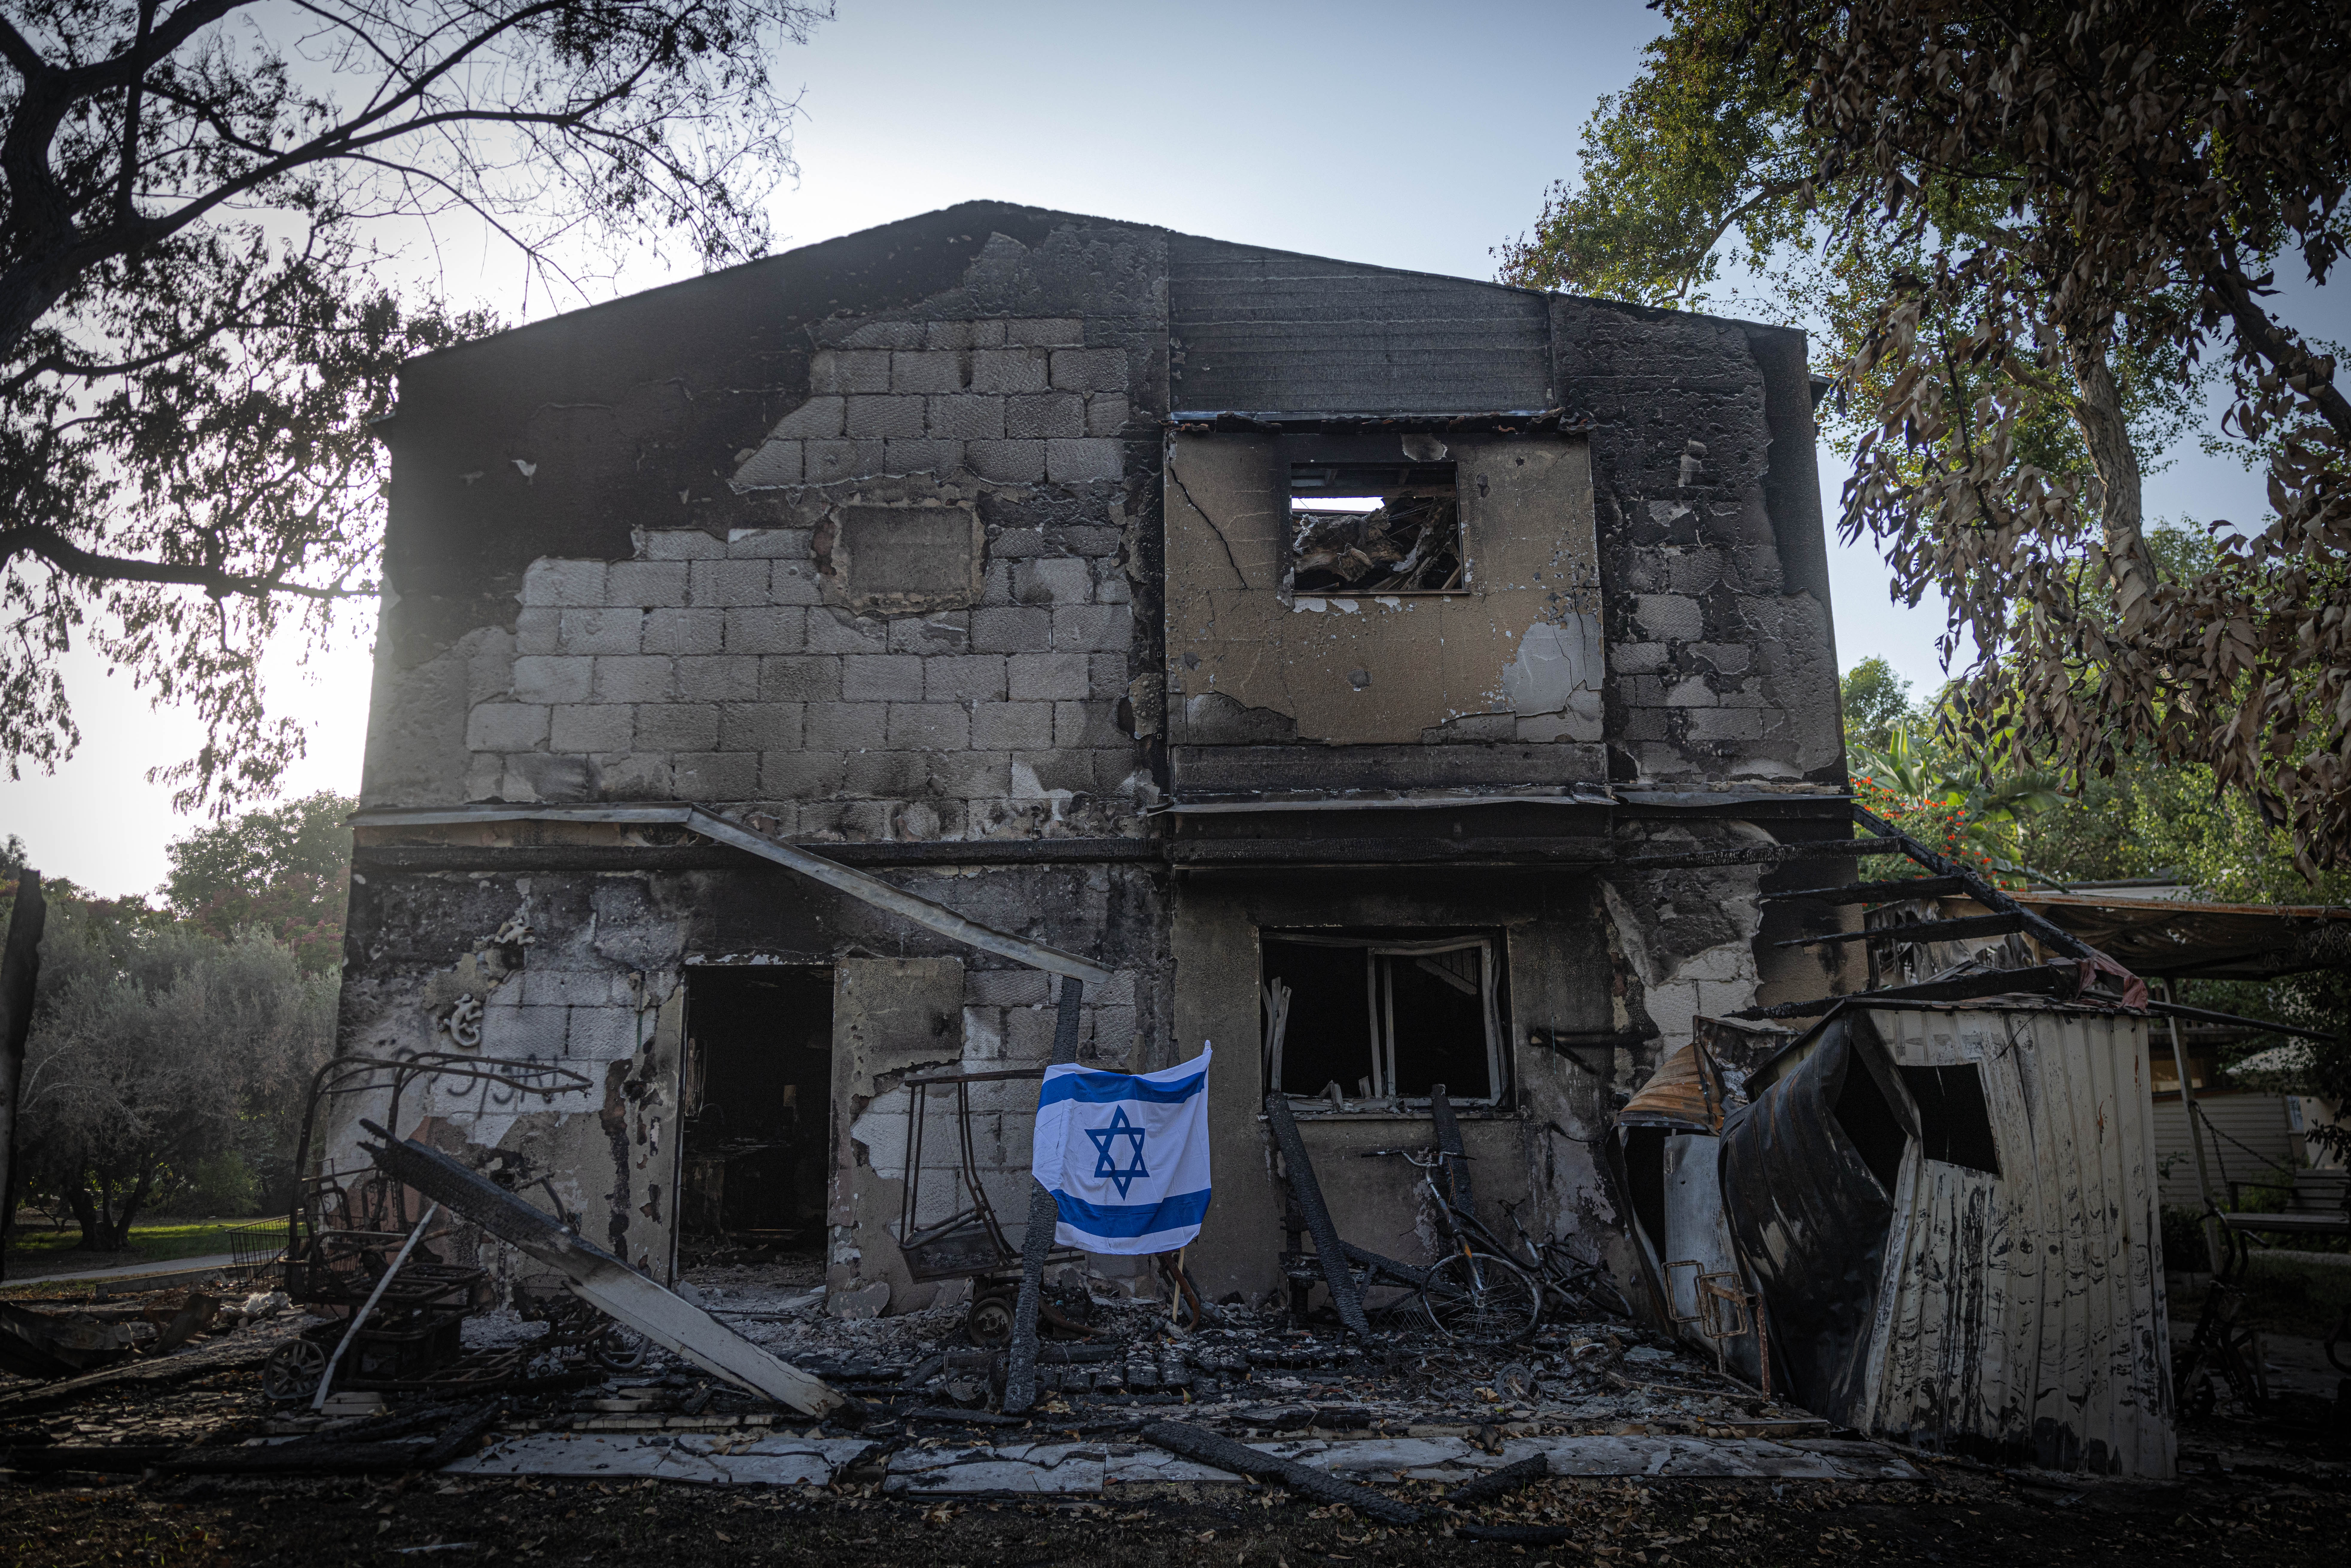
(1170, 1212)
(1107, 1088)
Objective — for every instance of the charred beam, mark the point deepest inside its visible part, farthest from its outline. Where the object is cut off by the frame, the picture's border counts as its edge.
(1879, 891)
(1044, 1218)
(1920, 931)
(1298, 1171)
(1210, 1448)
(2060, 980)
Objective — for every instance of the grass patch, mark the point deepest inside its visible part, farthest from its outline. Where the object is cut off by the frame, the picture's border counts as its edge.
(40, 1251)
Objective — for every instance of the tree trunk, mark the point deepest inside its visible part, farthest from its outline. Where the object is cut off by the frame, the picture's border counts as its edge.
(88, 1214)
(2105, 430)
(20, 972)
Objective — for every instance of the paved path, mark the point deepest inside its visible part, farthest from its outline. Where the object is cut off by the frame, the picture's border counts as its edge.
(165, 1266)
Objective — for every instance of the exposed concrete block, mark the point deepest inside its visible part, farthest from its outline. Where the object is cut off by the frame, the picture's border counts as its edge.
(885, 775)
(718, 775)
(831, 631)
(567, 987)
(764, 629)
(540, 774)
(1670, 617)
(1086, 724)
(1037, 676)
(1725, 724)
(972, 775)
(875, 335)
(962, 417)
(809, 678)
(1091, 540)
(1111, 585)
(1011, 371)
(776, 464)
(930, 726)
(1638, 658)
(677, 726)
(635, 776)
(592, 726)
(725, 582)
(880, 416)
(605, 1034)
(1081, 462)
(1015, 544)
(1090, 369)
(1006, 462)
(928, 370)
(678, 544)
(1055, 580)
(505, 726)
(1106, 413)
(537, 629)
(1013, 630)
(639, 678)
(1056, 414)
(794, 583)
(1092, 627)
(796, 774)
(721, 678)
(960, 677)
(683, 631)
(943, 632)
(844, 726)
(921, 455)
(646, 583)
(1007, 987)
(1729, 658)
(1106, 675)
(1644, 724)
(759, 726)
(767, 544)
(1012, 725)
(957, 334)
(550, 581)
(609, 630)
(819, 419)
(828, 462)
(1048, 334)
(1691, 692)
(553, 680)
(882, 678)
(526, 1031)
(996, 585)
(849, 371)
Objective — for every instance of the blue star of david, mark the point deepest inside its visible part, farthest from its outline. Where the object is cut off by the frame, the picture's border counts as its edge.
(1120, 1127)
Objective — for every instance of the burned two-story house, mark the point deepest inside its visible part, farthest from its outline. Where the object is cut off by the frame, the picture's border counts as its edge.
(1397, 681)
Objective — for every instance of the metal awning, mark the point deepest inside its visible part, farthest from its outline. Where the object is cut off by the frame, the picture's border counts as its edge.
(2172, 939)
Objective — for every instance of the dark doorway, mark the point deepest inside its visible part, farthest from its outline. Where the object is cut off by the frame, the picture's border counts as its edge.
(758, 1093)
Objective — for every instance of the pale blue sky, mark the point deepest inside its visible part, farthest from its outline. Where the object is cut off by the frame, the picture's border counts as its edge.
(1404, 135)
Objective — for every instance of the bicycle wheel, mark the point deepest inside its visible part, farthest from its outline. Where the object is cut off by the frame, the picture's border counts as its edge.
(1479, 1299)
(1588, 1285)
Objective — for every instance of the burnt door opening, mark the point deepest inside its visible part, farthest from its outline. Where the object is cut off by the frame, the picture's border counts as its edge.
(758, 1087)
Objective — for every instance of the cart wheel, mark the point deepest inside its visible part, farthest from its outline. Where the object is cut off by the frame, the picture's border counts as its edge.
(293, 1370)
(988, 1322)
(618, 1349)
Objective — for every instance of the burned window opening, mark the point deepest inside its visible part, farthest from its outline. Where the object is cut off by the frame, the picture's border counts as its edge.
(1373, 1021)
(1869, 1120)
(1954, 1122)
(758, 1092)
(1375, 528)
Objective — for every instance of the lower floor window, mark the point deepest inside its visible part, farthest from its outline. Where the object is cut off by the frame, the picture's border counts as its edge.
(1383, 1017)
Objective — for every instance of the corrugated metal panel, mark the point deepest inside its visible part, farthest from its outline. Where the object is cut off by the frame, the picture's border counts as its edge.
(2024, 1316)
(1268, 331)
(2253, 1141)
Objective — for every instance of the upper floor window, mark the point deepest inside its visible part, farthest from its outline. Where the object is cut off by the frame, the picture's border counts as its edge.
(1375, 529)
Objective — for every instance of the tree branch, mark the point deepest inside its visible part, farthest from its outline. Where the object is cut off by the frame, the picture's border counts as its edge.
(69, 557)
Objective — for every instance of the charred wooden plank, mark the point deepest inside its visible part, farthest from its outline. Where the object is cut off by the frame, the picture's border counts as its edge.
(1210, 1448)
(1044, 1218)
(1298, 1171)
(1500, 1483)
(1879, 891)
(1919, 931)
(2061, 980)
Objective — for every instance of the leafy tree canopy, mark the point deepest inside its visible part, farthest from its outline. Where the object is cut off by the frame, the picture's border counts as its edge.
(1877, 702)
(199, 202)
(286, 870)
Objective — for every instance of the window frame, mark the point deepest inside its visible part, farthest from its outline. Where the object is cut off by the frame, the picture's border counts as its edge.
(1379, 953)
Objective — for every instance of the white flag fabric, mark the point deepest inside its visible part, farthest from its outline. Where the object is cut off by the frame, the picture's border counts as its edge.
(1125, 1156)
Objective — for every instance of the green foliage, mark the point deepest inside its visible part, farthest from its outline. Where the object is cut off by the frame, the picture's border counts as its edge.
(287, 870)
(1877, 702)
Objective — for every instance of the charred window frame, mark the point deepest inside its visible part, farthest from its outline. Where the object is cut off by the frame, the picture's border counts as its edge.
(1375, 528)
(1384, 1016)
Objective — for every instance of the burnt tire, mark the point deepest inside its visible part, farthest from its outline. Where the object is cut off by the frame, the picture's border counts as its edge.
(988, 1322)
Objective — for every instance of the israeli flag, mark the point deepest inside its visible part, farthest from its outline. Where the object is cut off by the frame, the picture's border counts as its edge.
(1125, 1156)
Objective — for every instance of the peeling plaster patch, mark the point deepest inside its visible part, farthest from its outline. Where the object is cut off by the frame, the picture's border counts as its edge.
(1712, 980)
(1316, 605)
(1557, 663)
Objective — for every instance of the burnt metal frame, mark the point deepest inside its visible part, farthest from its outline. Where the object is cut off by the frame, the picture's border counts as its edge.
(917, 1103)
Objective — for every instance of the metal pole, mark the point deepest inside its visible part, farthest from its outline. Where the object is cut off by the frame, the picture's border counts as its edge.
(1020, 1370)
(326, 1378)
(2195, 1137)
